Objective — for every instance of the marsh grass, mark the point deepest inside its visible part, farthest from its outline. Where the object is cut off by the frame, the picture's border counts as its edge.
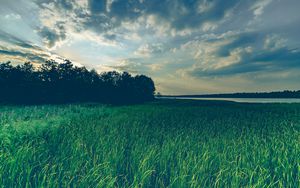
(160, 144)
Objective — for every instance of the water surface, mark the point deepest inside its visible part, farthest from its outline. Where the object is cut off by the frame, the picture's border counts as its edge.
(243, 100)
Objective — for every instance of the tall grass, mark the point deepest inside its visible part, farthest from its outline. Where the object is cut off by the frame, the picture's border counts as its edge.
(161, 144)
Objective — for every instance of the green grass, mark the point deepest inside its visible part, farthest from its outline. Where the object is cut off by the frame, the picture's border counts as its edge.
(160, 144)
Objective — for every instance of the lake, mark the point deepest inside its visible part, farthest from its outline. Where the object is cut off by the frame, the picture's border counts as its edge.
(242, 100)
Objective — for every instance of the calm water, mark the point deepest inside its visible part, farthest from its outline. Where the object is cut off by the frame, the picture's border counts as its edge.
(245, 100)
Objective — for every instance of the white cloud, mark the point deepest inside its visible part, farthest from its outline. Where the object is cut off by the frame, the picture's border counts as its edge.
(273, 42)
(259, 6)
(13, 16)
(147, 50)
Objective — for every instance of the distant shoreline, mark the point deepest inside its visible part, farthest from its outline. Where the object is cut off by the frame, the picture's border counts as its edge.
(263, 95)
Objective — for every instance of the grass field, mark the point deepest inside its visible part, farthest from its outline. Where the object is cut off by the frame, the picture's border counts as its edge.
(161, 144)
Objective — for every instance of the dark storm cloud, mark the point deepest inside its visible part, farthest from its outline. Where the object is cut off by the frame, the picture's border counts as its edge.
(97, 23)
(242, 40)
(6, 37)
(180, 14)
(263, 63)
(184, 14)
(66, 4)
(20, 48)
(25, 55)
(103, 16)
(97, 6)
(52, 36)
(260, 59)
(126, 9)
(285, 58)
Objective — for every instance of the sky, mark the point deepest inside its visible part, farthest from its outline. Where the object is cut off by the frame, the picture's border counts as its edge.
(185, 46)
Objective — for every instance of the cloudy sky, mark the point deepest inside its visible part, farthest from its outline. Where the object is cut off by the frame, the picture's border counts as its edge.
(186, 46)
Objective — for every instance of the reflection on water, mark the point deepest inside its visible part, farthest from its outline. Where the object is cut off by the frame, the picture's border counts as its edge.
(244, 100)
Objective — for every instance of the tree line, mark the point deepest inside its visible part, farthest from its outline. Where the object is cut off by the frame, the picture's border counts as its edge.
(54, 82)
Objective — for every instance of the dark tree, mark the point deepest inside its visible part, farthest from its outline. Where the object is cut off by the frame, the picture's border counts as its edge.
(62, 83)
